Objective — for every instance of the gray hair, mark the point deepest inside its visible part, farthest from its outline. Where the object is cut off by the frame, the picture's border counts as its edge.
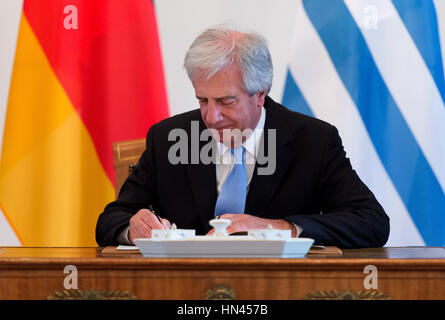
(219, 47)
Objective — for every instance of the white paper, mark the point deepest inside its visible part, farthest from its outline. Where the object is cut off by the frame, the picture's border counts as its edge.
(122, 247)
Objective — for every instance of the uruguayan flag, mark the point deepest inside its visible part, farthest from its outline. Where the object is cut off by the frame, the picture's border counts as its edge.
(374, 70)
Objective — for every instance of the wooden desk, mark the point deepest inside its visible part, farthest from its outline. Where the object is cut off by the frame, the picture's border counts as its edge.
(403, 273)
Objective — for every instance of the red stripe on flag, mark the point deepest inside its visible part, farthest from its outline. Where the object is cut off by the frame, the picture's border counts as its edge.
(110, 67)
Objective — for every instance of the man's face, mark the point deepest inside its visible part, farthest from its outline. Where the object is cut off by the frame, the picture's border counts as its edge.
(225, 104)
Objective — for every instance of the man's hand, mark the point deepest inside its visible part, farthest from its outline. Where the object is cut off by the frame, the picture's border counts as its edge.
(245, 222)
(143, 222)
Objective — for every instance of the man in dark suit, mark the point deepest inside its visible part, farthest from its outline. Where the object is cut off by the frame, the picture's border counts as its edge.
(304, 184)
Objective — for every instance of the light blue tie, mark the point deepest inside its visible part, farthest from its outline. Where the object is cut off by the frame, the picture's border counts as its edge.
(232, 198)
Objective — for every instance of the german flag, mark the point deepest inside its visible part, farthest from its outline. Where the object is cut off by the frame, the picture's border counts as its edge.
(86, 73)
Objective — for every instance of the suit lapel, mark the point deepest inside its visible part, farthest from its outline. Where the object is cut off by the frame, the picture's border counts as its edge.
(202, 179)
(263, 187)
(203, 184)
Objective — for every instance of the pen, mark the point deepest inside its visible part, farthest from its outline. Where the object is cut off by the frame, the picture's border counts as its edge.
(150, 207)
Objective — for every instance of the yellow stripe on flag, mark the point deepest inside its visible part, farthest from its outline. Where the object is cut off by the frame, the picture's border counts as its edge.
(52, 185)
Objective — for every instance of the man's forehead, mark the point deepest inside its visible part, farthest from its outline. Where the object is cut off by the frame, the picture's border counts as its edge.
(227, 82)
(216, 92)
(227, 96)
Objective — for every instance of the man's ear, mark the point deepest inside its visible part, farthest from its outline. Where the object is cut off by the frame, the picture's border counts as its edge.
(261, 96)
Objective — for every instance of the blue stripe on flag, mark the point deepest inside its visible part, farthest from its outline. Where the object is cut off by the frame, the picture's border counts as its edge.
(292, 97)
(420, 19)
(394, 142)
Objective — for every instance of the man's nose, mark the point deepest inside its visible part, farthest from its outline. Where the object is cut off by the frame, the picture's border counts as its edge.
(213, 113)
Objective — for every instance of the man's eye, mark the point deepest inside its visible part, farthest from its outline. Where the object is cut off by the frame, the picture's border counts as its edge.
(228, 101)
(202, 101)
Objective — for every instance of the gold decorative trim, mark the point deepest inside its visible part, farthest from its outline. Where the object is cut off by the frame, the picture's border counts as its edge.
(346, 295)
(91, 294)
(221, 292)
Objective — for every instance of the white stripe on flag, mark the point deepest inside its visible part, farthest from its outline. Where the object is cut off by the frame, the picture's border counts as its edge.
(407, 78)
(322, 88)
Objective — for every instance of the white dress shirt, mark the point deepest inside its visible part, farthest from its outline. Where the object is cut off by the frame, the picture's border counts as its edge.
(225, 160)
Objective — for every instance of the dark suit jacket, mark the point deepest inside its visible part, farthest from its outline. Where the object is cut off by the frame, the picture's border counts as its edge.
(313, 185)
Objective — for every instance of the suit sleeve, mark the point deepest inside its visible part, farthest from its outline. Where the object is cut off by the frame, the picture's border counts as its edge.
(137, 192)
(351, 217)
